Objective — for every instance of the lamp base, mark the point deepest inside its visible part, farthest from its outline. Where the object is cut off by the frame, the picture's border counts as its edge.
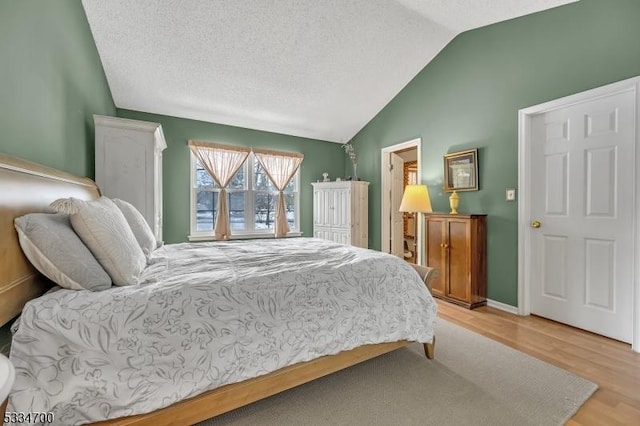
(454, 201)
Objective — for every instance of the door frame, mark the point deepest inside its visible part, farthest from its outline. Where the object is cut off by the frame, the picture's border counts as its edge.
(525, 181)
(385, 208)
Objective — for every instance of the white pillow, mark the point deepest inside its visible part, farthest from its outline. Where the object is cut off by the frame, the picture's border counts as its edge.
(139, 226)
(105, 231)
(51, 245)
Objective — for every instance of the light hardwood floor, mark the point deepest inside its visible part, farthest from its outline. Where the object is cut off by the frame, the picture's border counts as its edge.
(609, 363)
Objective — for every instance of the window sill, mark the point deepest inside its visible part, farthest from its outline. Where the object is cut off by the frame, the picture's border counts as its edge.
(196, 238)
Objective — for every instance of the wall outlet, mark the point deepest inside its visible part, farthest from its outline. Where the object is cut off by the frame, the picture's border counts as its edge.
(511, 194)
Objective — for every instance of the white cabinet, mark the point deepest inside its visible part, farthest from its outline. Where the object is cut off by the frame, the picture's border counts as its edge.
(340, 212)
(129, 165)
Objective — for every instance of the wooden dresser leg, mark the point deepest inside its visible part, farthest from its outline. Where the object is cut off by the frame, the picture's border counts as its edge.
(429, 348)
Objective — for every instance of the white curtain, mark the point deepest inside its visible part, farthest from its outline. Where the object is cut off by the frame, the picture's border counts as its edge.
(280, 167)
(222, 162)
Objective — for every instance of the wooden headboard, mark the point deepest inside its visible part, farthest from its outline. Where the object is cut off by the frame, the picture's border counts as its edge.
(27, 187)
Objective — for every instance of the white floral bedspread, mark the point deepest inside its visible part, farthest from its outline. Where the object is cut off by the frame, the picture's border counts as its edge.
(206, 315)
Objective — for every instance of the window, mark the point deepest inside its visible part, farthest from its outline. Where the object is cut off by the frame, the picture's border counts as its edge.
(252, 201)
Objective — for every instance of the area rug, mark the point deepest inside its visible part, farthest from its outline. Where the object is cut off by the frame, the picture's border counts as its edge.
(472, 380)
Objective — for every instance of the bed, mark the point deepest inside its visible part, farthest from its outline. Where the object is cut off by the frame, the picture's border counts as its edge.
(27, 187)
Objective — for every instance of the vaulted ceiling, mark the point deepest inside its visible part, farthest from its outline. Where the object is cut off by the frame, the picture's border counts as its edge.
(318, 69)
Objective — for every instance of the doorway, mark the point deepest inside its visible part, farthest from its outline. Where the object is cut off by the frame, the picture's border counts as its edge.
(409, 177)
(578, 212)
(400, 163)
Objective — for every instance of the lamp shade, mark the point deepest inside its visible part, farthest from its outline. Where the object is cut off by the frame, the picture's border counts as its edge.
(415, 199)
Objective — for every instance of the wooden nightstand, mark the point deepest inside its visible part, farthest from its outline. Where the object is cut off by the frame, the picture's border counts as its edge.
(456, 245)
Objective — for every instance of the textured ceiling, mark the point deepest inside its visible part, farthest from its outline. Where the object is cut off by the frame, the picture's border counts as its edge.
(319, 69)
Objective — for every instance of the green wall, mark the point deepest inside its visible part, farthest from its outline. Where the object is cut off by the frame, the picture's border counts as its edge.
(469, 97)
(51, 83)
(319, 157)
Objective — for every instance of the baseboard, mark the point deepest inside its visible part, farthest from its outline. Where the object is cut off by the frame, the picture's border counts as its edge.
(502, 306)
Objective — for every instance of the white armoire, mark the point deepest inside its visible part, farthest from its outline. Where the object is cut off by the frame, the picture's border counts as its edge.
(340, 212)
(129, 165)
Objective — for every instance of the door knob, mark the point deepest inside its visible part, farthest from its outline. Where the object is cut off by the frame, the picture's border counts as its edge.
(536, 224)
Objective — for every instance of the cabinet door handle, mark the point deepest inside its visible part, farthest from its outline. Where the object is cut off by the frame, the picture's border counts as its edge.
(446, 245)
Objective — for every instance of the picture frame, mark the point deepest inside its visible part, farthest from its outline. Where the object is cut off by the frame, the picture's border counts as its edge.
(461, 171)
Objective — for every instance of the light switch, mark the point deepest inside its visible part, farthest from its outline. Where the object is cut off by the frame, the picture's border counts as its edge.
(511, 194)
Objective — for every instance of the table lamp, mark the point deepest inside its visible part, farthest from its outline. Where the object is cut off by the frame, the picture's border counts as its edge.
(415, 200)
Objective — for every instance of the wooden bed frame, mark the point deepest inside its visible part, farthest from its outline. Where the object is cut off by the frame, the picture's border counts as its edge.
(27, 187)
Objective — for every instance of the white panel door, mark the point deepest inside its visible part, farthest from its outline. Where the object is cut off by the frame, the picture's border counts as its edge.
(583, 169)
(340, 208)
(397, 222)
(321, 207)
(324, 233)
(342, 236)
(128, 179)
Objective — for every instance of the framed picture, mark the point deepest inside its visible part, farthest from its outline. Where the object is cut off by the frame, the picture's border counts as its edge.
(461, 171)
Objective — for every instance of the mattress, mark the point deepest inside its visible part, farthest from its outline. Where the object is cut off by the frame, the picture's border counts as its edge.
(206, 315)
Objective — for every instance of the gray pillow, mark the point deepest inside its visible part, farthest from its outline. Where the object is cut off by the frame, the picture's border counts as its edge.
(138, 224)
(51, 245)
